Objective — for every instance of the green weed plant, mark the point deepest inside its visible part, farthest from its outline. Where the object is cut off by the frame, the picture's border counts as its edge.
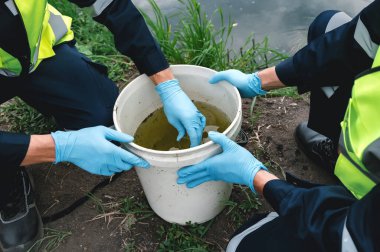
(184, 238)
(195, 39)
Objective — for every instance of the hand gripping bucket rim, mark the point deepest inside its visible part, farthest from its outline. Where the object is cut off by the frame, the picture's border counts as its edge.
(175, 152)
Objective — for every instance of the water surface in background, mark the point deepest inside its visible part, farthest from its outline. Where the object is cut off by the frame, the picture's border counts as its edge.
(284, 22)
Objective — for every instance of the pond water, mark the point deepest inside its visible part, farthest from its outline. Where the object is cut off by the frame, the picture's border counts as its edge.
(284, 22)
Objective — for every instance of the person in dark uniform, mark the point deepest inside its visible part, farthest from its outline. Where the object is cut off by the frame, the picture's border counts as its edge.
(314, 217)
(40, 64)
(318, 218)
(338, 49)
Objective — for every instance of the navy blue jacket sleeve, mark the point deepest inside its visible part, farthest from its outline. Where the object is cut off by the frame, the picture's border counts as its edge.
(334, 58)
(13, 148)
(132, 36)
(320, 213)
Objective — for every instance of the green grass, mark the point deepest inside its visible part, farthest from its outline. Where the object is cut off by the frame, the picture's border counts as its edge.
(140, 209)
(130, 246)
(239, 210)
(195, 39)
(51, 240)
(20, 117)
(184, 238)
(287, 91)
(98, 203)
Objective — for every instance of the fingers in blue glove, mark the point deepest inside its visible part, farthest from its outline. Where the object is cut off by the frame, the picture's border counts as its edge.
(197, 174)
(221, 76)
(181, 131)
(221, 139)
(113, 135)
(194, 175)
(197, 182)
(119, 165)
(200, 127)
(130, 159)
(194, 138)
(249, 85)
(195, 132)
(194, 180)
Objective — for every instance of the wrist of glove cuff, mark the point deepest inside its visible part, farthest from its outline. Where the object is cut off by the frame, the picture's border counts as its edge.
(257, 167)
(168, 88)
(60, 138)
(254, 83)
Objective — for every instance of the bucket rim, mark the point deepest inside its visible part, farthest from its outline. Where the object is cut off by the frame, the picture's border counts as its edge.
(188, 150)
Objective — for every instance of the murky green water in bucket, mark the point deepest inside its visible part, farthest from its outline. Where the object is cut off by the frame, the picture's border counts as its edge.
(156, 133)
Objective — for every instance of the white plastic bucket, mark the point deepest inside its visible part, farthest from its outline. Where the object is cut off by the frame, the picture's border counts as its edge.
(172, 202)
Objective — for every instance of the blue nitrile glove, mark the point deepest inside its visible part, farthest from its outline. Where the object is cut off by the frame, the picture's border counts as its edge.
(181, 112)
(234, 165)
(91, 150)
(249, 85)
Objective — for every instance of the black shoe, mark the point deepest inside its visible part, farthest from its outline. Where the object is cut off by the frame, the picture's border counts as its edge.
(20, 221)
(317, 147)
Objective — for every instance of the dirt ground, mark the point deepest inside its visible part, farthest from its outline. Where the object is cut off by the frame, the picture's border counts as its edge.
(271, 138)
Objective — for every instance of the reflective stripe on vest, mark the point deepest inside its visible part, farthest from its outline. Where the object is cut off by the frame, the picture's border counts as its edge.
(11, 6)
(363, 38)
(7, 73)
(348, 244)
(335, 21)
(99, 6)
(45, 27)
(358, 165)
(58, 25)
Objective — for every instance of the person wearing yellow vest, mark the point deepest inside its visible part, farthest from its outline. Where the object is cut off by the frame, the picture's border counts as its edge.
(339, 48)
(308, 217)
(40, 64)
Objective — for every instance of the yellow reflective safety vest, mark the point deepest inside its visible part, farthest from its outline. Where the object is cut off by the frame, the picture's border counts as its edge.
(358, 165)
(45, 28)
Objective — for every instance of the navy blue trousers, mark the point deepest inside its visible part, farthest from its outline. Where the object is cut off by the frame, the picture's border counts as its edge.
(69, 87)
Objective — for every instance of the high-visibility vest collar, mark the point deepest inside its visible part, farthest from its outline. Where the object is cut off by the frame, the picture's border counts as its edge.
(45, 27)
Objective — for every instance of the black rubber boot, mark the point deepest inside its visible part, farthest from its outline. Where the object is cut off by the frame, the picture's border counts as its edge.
(317, 147)
(20, 221)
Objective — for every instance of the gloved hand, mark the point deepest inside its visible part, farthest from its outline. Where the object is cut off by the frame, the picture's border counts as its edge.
(249, 85)
(91, 149)
(234, 165)
(181, 112)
